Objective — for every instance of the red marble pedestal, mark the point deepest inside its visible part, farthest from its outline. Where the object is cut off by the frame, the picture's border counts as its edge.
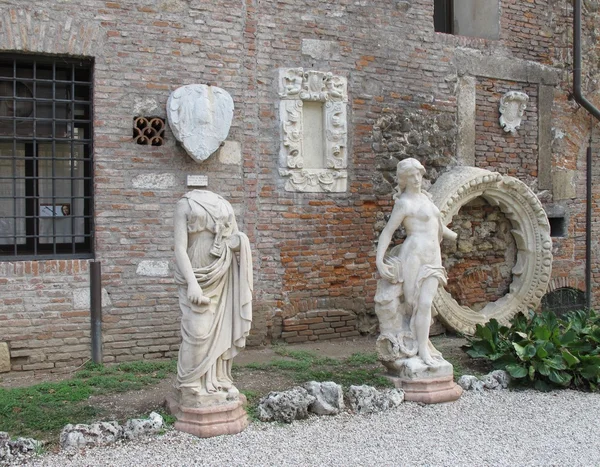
(225, 418)
(429, 390)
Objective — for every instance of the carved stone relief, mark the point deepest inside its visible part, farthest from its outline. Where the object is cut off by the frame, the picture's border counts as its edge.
(313, 150)
(530, 230)
(512, 108)
(200, 117)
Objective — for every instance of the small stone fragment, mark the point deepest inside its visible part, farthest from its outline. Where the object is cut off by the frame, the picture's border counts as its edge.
(137, 427)
(367, 399)
(97, 434)
(498, 379)
(329, 397)
(470, 383)
(285, 406)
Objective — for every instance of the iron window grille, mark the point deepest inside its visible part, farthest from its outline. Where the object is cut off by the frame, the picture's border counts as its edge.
(46, 170)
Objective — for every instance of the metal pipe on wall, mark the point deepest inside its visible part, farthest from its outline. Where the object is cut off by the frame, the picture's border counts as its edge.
(96, 310)
(581, 100)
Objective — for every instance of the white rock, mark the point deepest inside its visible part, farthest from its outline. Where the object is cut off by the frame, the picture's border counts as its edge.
(200, 117)
(367, 399)
(136, 427)
(97, 434)
(285, 406)
(470, 382)
(17, 449)
(329, 397)
(498, 379)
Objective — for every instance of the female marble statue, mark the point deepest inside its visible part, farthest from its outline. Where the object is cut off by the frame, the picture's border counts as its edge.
(411, 272)
(215, 296)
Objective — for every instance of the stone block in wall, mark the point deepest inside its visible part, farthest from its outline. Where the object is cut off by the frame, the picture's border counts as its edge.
(563, 185)
(4, 358)
(81, 299)
(230, 153)
(153, 268)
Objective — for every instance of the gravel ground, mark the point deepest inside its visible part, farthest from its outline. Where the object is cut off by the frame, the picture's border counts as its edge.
(494, 428)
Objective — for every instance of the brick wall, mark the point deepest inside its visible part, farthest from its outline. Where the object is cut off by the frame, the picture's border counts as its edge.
(313, 253)
(515, 155)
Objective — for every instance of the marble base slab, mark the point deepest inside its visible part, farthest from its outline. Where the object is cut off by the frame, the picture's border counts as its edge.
(227, 418)
(428, 390)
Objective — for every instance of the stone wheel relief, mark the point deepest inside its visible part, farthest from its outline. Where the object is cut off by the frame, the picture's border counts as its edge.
(530, 229)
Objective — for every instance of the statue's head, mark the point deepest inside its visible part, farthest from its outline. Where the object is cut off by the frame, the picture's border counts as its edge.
(404, 168)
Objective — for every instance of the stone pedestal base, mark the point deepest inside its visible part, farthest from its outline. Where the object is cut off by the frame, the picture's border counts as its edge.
(227, 418)
(428, 390)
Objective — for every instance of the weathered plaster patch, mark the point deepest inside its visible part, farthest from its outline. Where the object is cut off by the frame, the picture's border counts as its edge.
(153, 268)
(154, 181)
(230, 153)
(81, 299)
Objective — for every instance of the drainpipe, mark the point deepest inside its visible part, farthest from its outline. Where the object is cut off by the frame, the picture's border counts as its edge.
(581, 100)
(96, 310)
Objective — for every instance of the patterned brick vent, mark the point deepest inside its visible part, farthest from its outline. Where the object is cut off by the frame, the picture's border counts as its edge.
(319, 325)
(149, 131)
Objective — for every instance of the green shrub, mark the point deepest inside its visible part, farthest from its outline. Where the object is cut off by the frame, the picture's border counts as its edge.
(542, 350)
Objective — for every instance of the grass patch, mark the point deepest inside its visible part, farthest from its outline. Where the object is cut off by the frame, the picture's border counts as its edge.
(41, 411)
(302, 365)
(252, 398)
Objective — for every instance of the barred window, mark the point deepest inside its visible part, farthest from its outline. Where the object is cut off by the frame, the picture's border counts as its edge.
(46, 185)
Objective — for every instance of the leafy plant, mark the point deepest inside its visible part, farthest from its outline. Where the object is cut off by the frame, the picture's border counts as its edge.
(543, 350)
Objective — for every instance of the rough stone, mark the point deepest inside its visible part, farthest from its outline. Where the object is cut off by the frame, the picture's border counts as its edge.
(498, 379)
(97, 434)
(329, 397)
(367, 399)
(136, 427)
(285, 406)
(470, 383)
(21, 447)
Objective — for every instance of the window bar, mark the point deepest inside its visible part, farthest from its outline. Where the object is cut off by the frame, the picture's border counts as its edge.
(88, 170)
(72, 163)
(53, 155)
(36, 198)
(14, 161)
(36, 204)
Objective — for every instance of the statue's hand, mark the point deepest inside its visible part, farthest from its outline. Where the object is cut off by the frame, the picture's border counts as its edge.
(233, 242)
(386, 270)
(194, 294)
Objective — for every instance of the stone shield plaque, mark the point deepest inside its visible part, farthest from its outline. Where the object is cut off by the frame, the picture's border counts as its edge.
(200, 117)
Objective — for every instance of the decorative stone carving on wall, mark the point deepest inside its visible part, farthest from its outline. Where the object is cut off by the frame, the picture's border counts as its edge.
(200, 117)
(313, 151)
(531, 231)
(512, 108)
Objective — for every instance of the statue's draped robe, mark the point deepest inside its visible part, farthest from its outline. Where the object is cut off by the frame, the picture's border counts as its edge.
(213, 334)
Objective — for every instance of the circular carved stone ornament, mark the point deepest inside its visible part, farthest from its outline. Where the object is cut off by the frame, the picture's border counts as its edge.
(530, 229)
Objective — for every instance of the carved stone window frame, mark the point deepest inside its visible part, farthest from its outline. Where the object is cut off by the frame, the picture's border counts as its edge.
(297, 86)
